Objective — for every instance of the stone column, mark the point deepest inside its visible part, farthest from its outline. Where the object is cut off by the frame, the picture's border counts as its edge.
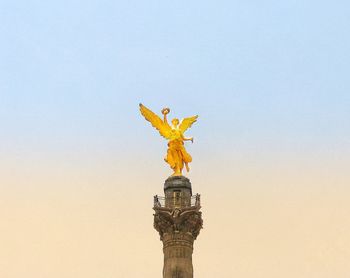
(178, 220)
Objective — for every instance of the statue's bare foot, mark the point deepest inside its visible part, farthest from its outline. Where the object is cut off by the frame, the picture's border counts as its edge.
(177, 172)
(187, 167)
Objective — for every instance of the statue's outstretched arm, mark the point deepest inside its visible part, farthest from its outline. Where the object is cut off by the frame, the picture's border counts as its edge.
(187, 138)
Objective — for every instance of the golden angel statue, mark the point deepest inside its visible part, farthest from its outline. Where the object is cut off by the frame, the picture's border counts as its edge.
(176, 156)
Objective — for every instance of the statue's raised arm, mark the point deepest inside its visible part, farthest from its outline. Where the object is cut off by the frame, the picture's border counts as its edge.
(177, 156)
(162, 126)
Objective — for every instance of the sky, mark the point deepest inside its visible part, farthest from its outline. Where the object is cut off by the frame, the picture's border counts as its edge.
(79, 165)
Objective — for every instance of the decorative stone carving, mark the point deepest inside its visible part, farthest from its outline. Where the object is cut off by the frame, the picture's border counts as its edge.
(178, 220)
(187, 220)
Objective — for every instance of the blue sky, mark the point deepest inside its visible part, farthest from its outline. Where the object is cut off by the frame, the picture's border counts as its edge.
(76, 70)
(270, 83)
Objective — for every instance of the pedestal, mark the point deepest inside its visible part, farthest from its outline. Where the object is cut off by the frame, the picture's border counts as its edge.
(178, 220)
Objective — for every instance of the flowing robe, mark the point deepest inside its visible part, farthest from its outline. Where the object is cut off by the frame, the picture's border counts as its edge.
(176, 153)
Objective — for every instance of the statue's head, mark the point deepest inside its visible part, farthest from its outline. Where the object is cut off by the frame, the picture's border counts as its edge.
(175, 122)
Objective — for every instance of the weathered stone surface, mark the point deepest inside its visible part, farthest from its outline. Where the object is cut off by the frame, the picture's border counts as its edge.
(169, 221)
(178, 222)
(177, 182)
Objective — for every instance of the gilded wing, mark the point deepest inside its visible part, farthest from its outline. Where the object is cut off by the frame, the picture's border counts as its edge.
(163, 128)
(187, 123)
